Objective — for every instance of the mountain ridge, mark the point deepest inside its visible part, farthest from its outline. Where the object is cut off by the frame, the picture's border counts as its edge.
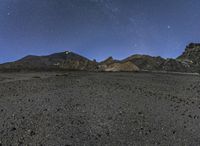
(188, 61)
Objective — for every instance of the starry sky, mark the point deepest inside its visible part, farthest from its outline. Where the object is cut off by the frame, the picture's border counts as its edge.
(97, 28)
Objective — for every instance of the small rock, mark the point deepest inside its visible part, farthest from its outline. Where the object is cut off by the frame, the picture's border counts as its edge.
(13, 129)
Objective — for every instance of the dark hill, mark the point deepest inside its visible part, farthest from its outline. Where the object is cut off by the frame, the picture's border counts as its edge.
(146, 62)
(58, 61)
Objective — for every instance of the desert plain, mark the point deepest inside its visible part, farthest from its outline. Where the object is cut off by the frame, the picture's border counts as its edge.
(99, 109)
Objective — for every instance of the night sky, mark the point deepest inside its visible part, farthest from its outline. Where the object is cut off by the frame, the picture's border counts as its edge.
(97, 28)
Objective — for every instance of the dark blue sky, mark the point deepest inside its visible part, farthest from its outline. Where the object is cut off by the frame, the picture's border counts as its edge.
(97, 28)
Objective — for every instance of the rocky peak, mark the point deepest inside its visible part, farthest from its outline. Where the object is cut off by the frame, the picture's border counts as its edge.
(193, 45)
(108, 61)
(191, 53)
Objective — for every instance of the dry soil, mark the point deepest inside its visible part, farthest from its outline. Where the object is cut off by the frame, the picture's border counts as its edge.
(99, 109)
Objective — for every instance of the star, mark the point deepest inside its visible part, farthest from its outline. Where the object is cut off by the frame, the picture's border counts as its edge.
(169, 27)
(8, 13)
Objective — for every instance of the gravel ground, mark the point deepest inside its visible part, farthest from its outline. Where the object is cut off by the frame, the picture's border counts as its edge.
(99, 109)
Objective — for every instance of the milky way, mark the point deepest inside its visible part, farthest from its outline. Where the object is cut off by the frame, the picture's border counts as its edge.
(97, 28)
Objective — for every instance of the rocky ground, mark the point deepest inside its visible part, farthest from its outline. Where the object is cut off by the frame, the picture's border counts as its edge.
(91, 109)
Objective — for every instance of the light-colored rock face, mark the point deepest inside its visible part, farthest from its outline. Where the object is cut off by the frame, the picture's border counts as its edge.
(191, 53)
(127, 66)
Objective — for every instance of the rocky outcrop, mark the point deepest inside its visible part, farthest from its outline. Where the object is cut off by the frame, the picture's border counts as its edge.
(122, 66)
(109, 61)
(174, 65)
(191, 54)
(104, 64)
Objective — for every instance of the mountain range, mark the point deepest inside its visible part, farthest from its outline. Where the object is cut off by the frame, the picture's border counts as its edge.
(188, 61)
